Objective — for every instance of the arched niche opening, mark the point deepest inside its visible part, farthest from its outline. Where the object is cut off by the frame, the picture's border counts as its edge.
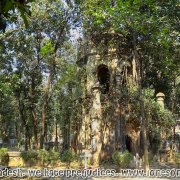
(128, 143)
(103, 78)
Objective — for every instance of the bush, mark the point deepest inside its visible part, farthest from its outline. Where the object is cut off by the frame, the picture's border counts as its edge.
(48, 157)
(177, 159)
(53, 157)
(43, 156)
(4, 156)
(151, 158)
(30, 158)
(122, 159)
(77, 157)
(67, 156)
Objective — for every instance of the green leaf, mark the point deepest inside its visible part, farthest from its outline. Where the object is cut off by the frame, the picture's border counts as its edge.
(24, 18)
(8, 6)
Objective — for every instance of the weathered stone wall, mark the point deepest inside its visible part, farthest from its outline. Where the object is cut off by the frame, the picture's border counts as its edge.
(103, 126)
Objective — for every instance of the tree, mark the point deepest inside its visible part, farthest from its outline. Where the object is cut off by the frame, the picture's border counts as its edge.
(6, 8)
(36, 56)
(138, 28)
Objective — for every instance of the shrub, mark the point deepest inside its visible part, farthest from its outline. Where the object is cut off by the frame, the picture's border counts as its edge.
(122, 159)
(48, 157)
(151, 158)
(67, 156)
(53, 157)
(77, 157)
(43, 156)
(30, 158)
(4, 156)
(177, 158)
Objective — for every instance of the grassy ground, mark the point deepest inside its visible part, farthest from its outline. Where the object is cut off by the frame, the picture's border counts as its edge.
(16, 162)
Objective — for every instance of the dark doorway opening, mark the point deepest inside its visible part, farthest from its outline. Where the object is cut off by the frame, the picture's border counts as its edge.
(103, 77)
(128, 143)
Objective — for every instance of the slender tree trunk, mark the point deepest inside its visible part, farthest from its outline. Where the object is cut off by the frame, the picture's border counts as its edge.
(174, 104)
(29, 142)
(34, 118)
(26, 138)
(43, 112)
(33, 113)
(50, 78)
(23, 120)
(56, 138)
(43, 126)
(144, 132)
(143, 118)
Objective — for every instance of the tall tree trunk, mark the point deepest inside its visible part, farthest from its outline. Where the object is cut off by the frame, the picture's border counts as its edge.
(143, 118)
(144, 131)
(26, 138)
(173, 106)
(56, 138)
(43, 126)
(43, 112)
(34, 118)
(23, 120)
(66, 134)
(33, 113)
(50, 78)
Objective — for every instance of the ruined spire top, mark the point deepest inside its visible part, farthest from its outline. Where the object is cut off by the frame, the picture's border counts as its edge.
(160, 94)
(160, 99)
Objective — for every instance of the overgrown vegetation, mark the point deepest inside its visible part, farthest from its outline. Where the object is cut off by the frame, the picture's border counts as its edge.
(4, 156)
(67, 157)
(48, 157)
(177, 158)
(122, 160)
(30, 158)
(43, 94)
(42, 157)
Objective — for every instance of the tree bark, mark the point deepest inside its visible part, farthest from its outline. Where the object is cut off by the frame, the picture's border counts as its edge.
(143, 118)
(173, 106)
(144, 132)
(23, 120)
(49, 82)
(33, 113)
(43, 112)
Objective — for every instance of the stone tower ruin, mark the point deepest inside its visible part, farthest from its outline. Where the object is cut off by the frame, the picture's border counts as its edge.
(104, 126)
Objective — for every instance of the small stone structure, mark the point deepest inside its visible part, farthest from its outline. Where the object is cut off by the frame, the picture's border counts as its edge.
(160, 99)
(177, 136)
(166, 150)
